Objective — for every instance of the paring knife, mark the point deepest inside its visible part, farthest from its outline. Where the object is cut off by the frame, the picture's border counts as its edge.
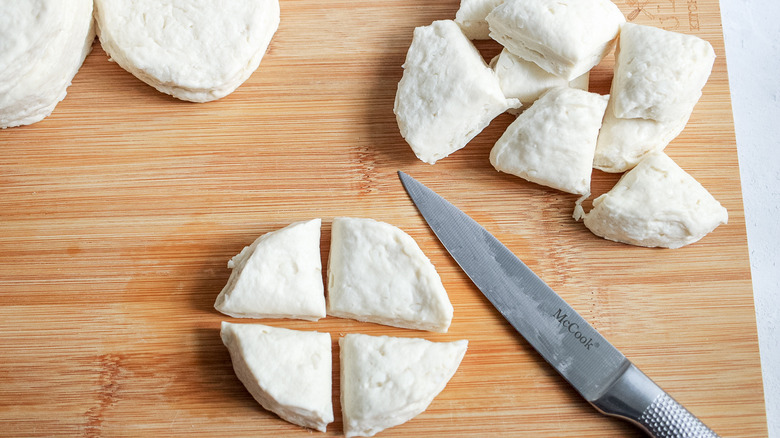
(596, 369)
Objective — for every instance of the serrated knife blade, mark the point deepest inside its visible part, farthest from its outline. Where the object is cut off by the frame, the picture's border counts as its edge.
(593, 366)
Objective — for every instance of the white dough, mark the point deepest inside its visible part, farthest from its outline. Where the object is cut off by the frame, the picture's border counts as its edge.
(42, 46)
(277, 276)
(659, 74)
(377, 273)
(564, 37)
(471, 17)
(526, 81)
(447, 94)
(288, 372)
(387, 381)
(552, 143)
(622, 143)
(194, 50)
(655, 204)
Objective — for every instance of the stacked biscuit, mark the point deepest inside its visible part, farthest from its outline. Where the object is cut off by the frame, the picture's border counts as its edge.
(376, 273)
(549, 47)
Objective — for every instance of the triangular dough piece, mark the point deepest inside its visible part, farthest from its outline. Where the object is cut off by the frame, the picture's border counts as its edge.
(552, 143)
(387, 381)
(42, 46)
(622, 143)
(277, 276)
(287, 371)
(565, 37)
(655, 204)
(377, 273)
(527, 81)
(193, 50)
(471, 17)
(659, 74)
(447, 94)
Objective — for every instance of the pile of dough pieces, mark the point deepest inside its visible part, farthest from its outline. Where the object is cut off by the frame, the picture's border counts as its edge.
(193, 50)
(376, 273)
(448, 94)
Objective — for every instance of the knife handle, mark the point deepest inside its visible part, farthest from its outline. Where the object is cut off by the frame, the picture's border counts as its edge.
(635, 397)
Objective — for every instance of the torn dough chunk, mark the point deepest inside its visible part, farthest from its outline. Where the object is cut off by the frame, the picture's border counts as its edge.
(287, 371)
(447, 94)
(564, 37)
(622, 143)
(655, 204)
(278, 276)
(552, 143)
(377, 273)
(471, 17)
(526, 81)
(659, 74)
(387, 381)
(193, 50)
(42, 46)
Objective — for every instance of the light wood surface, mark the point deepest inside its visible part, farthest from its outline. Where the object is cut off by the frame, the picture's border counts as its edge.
(118, 214)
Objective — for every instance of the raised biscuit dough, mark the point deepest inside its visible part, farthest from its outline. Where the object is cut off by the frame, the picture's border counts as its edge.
(387, 381)
(278, 276)
(655, 204)
(471, 17)
(526, 81)
(564, 37)
(622, 143)
(194, 50)
(447, 94)
(552, 142)
(287, 371)
(659, 74)
(42, 46)
(377, 273)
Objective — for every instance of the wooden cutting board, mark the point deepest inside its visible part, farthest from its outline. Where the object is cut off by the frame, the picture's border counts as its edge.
(119, 212)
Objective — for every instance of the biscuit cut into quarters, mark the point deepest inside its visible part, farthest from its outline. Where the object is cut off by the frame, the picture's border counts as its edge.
(42, 46)
(278, 276)
(193, 50)
(447, 94)
(377, 273)
(526, 81)
(287, 371)
(387, 381)
(655, 204)
(659, 74)
(552, 143)
(564, 37)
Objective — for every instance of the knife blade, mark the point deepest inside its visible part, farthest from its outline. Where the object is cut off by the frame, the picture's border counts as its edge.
(593, 366)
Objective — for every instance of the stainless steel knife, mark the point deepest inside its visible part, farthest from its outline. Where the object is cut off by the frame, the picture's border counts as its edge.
(596, 369)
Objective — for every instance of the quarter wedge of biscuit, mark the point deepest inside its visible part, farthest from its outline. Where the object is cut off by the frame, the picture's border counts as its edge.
(288, 372)
(564, 37)
(447, 94)
(377, 273)
(278, 276)
(553, 142)
(622, 143)
(655, 204)
(659, 74)
(526, 81)
(387, 381)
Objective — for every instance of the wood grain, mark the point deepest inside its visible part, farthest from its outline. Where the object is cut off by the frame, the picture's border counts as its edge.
(119, 212)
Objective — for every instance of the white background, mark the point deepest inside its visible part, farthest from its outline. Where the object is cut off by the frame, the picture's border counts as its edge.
(751, 30)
